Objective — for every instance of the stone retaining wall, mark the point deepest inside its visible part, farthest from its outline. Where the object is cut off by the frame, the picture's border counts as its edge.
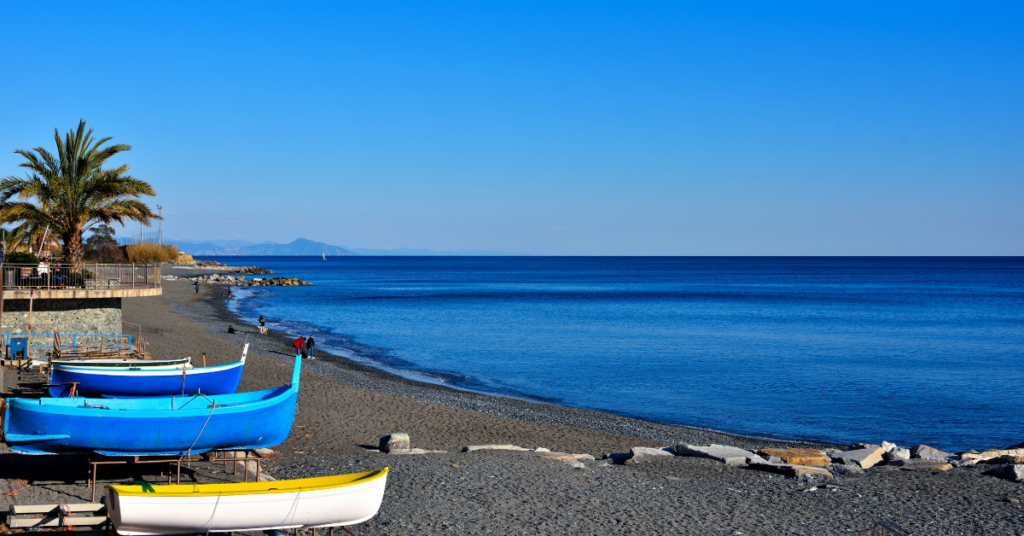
(97, 315)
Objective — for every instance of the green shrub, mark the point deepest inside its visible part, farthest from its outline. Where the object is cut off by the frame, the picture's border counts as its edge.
(21, 257)
(78, 279)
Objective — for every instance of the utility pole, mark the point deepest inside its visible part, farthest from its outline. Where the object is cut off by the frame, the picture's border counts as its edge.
(160, 224)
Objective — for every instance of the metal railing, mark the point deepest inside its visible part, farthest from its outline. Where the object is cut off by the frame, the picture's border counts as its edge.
(153, 237)
(77, 340)
(88, 276)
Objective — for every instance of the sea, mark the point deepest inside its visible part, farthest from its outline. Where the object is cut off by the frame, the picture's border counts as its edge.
(836, 349)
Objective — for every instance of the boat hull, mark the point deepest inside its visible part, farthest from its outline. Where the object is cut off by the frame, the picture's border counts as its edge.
(152, 425)
(120, 382)
(192, 509)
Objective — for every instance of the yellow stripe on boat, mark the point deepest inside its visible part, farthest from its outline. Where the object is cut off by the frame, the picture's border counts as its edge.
(251, 488)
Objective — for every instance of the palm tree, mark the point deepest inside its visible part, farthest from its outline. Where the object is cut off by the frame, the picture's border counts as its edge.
(20, 237)
(71, 192)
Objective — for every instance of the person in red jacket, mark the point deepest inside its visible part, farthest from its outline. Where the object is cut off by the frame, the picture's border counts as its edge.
(300, 346)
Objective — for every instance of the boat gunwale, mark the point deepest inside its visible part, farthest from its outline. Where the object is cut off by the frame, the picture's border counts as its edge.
(79, 409)
(146, 371)
(123, 363)
(251, 488)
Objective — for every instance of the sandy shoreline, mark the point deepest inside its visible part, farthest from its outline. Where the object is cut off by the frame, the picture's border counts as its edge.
(345, 407)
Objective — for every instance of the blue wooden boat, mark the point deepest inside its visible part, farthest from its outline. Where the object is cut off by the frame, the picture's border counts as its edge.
(110, 382)
(152, 425)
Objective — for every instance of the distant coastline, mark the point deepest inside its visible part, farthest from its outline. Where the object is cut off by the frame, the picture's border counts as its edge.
(304, 247)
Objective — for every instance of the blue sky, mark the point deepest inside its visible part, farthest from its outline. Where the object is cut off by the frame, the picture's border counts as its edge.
(785, 128)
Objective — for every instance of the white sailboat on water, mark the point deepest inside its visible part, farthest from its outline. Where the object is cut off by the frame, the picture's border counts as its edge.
(325, 256)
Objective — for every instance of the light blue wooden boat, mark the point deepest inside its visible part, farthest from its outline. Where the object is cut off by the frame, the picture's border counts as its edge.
(110, 382)
(152, 425)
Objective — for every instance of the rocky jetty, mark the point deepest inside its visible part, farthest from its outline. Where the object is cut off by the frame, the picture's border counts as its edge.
(197, 265)
(241, 281)
(253, 270)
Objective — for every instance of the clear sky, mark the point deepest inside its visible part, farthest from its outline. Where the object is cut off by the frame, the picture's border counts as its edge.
(760, 128)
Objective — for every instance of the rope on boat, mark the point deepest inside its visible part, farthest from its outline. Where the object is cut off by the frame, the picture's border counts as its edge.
(290, 516)
(215, 505)
(188, 453)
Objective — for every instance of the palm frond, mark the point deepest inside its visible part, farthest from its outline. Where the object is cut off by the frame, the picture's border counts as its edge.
(70, 191)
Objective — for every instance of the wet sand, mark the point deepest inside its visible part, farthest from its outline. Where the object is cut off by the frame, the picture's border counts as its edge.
(344, 408)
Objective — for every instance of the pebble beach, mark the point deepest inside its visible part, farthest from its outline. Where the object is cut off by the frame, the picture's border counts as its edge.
(345, 408)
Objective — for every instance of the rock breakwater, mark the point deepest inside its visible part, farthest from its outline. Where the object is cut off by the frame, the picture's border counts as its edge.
(241, 281)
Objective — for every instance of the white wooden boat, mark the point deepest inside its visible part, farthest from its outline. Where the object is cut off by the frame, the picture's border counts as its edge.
(127, 363)
(329, 501)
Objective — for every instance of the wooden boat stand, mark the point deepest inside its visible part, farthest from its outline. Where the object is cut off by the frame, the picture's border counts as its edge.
(346, 530)
(35, 518)
(74, 387)
(247, 456)
(96, 460)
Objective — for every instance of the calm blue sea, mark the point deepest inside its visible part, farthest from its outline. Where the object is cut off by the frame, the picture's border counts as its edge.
(911, 350)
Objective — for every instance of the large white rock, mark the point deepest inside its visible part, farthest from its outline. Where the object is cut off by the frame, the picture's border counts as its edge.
(1009, 472)
(863, 458)
(637, 453)
(992, 453)
(472, 448)
(929, 453)
(564, 456)
(397, 443)
(897, 453)
(723, 453)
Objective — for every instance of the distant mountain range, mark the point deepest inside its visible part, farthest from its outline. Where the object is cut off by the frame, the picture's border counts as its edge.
(432, 252)
(302, 247)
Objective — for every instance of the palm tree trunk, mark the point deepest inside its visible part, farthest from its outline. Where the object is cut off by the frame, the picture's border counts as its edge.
(72, 248)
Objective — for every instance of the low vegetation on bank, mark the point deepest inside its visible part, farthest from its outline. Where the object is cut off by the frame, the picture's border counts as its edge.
(147, 252)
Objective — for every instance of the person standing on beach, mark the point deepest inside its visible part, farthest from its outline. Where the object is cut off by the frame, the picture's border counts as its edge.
(310, 343)
(197, 286)
(263, 326)
(300, 346)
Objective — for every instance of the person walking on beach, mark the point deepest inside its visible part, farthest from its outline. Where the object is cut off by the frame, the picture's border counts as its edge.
(309, 347)
(300, 346)
(197, 286)
(263, 326)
